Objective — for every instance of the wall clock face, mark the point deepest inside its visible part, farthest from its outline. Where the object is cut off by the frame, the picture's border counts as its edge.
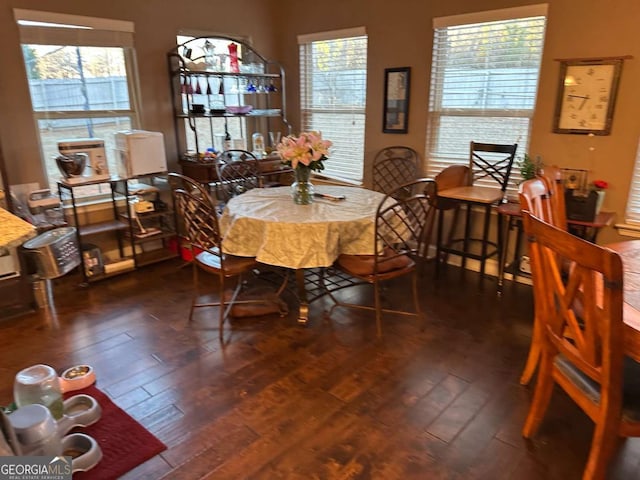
(586, 96)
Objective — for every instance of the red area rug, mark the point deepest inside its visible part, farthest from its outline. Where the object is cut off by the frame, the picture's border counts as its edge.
(124, 442)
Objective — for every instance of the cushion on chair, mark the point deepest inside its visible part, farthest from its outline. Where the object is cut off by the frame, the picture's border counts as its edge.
(232, 265)
(631, 395)
(364, 264)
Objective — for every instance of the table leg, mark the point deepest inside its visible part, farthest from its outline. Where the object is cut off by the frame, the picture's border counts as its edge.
(303, 314)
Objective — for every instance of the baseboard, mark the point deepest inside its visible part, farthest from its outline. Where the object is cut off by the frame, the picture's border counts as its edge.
(490, 267)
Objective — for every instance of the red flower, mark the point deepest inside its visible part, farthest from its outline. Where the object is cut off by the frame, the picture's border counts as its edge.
(600, 184)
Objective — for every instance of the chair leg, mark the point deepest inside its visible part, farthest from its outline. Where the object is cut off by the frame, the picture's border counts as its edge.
(376, 294)
(603, 446)
(225, 307)
(534, 354)
(467, 232)
(485, 238)
(416, 301)
(222, 309)
(196, 289)
(541, 397)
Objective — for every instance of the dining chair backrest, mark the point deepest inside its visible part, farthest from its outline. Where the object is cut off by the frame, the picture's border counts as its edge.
(390, 173)
(552, 175)
(451, 177)
(582, 308)
(537, 199)
(237, 177)
(404, 225)
(198, 212)
(581, 315)
(492, 161)
(233, 155)
(396, 151)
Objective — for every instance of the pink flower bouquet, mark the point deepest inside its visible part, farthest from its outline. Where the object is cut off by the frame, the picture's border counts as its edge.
(308, 149)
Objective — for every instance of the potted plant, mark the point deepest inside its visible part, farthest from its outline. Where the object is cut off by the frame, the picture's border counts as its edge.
(529, 168)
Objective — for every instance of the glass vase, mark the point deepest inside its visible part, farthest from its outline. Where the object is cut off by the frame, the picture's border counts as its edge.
(302, 188)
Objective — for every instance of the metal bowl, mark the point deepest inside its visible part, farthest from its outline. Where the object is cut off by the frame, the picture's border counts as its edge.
(72, 164)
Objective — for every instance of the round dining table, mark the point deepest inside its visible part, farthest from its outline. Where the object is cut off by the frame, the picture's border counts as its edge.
(265, 223)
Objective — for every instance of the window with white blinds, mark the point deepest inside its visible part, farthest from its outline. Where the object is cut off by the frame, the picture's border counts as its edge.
(632, 215)
(333, 82)
(484, 79)
(82, 80)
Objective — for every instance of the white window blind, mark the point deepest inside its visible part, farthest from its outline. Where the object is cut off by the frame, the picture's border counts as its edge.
(633, 203)
(484, 79)
(333, 81)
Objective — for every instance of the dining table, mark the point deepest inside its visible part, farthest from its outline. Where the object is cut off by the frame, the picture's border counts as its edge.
(629, 251)
(265, 223)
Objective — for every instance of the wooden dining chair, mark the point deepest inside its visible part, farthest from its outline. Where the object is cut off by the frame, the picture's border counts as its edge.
(393, 167)
(552, 175)
(537, 196)
(582, 339)
(197, 211)
(402, 234)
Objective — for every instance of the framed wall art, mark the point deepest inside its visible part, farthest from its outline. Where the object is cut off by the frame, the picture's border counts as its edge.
(395, 118)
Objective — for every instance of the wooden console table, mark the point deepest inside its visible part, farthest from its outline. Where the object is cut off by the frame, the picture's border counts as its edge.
(205, 171)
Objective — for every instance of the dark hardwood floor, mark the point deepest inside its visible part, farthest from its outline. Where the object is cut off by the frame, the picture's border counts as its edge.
(325, 401)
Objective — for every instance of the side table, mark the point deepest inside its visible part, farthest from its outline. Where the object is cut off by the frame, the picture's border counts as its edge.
(511, 215)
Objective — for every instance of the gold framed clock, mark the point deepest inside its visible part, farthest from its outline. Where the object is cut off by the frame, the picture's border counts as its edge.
(587, 96)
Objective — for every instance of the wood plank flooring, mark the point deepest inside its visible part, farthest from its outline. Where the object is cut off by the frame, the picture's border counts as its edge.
(325, 401)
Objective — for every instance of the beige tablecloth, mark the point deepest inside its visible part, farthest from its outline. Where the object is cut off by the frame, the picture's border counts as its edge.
(265, 223)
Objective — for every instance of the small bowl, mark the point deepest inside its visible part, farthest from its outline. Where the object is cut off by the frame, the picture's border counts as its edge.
(239, 109)
(79, 411)
(197, 108)
(84, 451)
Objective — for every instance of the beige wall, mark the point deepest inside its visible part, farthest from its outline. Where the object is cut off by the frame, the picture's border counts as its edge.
(400, 34)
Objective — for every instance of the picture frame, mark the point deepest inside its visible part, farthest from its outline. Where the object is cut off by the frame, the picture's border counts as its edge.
(586, 98)
(397, 82)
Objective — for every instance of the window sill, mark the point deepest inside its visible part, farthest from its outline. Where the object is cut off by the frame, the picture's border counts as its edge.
(628, 229)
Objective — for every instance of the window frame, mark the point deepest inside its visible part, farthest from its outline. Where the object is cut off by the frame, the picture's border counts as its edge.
(55, 29)
(436, 159)
(354, 168)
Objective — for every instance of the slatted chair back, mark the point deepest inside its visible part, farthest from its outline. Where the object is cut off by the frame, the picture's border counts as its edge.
(393, 172)
(402, 235)
(404, 225)
(233, 155)
(536, 198)
(552, 175)
(197, 211)
(581, 313)
(492, 162)
(237, 177)
(397, 151)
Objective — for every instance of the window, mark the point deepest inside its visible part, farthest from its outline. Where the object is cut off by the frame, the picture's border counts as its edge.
(82, 82)
(333, 82)
(633, 203)
(484, 79)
